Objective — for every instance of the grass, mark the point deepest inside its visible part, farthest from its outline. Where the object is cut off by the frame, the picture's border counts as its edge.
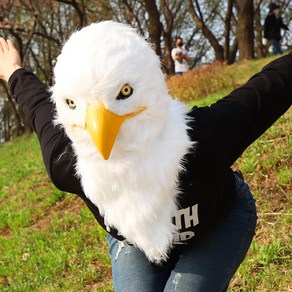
(49, 241)
(268, 169)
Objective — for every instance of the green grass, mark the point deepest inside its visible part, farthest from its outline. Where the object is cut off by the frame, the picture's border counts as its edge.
(268, 170)
(49, 240)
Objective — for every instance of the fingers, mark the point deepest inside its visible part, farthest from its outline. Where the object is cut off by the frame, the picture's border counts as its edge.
(4, 44)
(10, 44)
(1, 48)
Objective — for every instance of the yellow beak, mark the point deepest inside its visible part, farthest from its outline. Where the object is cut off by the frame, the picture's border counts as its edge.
(103, 127)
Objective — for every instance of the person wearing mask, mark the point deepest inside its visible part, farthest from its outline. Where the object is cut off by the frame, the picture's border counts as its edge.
(180, 57)
(272, 28)
(178, 217)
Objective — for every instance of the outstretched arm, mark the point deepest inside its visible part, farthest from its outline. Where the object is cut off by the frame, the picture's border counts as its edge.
(236, 121)
(33, 98)
(283, 25)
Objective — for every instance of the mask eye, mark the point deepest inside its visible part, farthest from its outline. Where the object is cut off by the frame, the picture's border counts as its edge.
(125, 92)
(71, 104)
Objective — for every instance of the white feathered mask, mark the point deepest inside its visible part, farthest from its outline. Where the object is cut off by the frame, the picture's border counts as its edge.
(128, 134)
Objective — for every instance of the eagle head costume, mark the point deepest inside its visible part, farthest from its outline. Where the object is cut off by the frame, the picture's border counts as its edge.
(128, 134)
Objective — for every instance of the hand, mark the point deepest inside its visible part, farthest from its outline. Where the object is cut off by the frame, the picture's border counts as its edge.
(187, 58)
(9, 59)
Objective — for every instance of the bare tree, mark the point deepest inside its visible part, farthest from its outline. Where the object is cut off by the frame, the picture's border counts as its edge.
(197, 15)
(34, 28)
(154, 25)
(211, 30)
(80, 9)
(230, 50)
(245, 29)
(260, 49)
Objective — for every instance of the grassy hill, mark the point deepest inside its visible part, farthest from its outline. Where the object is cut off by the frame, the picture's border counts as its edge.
(49, 241)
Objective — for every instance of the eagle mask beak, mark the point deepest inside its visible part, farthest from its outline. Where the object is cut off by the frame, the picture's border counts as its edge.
(104, 125)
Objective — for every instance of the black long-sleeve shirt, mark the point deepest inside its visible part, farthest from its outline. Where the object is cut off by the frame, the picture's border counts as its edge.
(222, 132)
(272, 27)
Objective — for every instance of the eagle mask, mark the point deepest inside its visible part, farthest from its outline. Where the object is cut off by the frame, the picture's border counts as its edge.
(128, 134)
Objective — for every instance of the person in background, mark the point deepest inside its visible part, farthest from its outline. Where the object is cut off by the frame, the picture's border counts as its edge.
(272, 28)
(180, 57)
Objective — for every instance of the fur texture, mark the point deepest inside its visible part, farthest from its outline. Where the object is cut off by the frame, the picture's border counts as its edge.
(136, 189)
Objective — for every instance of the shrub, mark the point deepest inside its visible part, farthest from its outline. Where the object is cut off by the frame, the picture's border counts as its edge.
(201, 81)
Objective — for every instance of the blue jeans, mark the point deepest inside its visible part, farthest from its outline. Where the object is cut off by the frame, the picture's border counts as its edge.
(276, 46)
(207, 265)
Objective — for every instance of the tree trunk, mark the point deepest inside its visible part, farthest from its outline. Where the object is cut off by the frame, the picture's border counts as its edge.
(227, 22)
(258, 28)
(245, 30)
(233, 52)
(154, 25)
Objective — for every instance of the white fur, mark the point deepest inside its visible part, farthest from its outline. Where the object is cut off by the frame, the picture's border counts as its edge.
(136, 189)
